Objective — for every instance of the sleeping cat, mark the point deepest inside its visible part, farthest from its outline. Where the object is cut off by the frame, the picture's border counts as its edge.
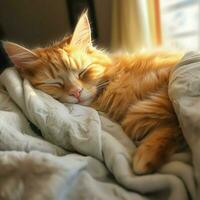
(131, 89)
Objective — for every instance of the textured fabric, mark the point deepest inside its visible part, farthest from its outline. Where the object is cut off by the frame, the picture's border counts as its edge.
(92, 156)
(184, 90)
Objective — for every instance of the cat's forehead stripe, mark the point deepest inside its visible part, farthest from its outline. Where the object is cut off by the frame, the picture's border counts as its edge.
(72, 63)
(52, 70)
(49, 81)
(60, 59)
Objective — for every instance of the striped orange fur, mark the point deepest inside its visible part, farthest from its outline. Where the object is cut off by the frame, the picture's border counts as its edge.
(131, 89)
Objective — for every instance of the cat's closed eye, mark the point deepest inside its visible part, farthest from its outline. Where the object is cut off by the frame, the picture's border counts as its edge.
(60, 85)
(88, 72)
(82, 73)
(54, 83)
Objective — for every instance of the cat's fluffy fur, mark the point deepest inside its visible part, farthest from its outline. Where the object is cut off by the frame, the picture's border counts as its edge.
(131, 89)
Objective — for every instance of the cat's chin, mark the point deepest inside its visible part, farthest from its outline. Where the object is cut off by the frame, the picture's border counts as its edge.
(86, 102)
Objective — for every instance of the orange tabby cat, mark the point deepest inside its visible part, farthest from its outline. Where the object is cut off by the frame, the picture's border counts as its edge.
(131, 89)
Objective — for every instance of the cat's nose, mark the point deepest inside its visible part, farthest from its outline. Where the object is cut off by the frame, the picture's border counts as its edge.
(76, 92)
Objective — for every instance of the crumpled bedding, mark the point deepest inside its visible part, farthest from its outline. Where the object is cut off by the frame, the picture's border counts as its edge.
(60, 151)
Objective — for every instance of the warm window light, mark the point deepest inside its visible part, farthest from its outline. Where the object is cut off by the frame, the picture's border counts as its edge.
(180, 24)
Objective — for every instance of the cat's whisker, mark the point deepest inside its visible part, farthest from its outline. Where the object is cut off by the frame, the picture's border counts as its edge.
(102, 87)
(103, 84)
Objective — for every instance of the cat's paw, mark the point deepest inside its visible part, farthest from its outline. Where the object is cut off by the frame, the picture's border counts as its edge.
(145, 161)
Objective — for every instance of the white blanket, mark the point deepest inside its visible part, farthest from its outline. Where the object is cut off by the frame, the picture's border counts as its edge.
(76, 154)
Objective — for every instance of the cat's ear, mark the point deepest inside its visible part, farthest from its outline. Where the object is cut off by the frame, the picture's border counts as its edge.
(82, 33)
(20, 56)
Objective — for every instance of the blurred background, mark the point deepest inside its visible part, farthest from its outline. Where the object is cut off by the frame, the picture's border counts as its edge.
(130, 25)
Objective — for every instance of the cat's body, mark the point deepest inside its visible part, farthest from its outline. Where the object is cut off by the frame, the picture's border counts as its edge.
(137, 98)
(131, 89)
